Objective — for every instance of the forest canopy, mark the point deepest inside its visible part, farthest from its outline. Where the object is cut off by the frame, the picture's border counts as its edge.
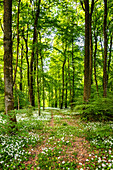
(60, 54)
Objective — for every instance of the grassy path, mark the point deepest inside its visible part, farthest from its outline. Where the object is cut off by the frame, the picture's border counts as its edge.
(56, 140)
(63, 146)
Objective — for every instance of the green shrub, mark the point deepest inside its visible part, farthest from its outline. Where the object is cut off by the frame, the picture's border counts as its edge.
(97, 109)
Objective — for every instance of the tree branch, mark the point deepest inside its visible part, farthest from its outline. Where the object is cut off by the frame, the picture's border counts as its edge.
(82, 5)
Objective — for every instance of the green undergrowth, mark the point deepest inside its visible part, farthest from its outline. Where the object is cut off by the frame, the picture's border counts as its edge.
(100, 136)
(56, 142)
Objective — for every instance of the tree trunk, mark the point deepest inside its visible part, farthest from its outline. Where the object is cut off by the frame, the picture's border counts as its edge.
(105, 51)
(66, 91)
(8, 70)
(21, 68)
(86, 60)
(56, 94)
(17, 41)
(32, 98)
(90, 47)
(73, 80)
(43, 94)
(69, 80)
(95, 75)
(63, 78)
(26, 44)
(59, 88)
(38, 87)
(109, 61)
(90, 54)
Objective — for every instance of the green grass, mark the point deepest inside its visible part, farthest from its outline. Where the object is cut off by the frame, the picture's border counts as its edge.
(56, 143)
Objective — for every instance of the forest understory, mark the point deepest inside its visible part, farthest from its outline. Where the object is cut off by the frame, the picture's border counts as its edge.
(58, 139)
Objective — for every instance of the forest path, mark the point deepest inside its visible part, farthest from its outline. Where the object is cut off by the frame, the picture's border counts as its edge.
(62, 135)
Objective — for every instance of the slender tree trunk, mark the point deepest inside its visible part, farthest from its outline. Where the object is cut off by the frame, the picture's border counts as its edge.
(17, 42)
(52, 93)
(43, 94)
(69, 80)
(56, 94)
(109, 61)
(63, 78)
(28, 68)
(59, 89)
(8, 70)
(105, 51)
(90, 47)
(86, 60)
(66, 92)
(21, 68)
(73, 80)
(90, 54)
(32, 98)
(95, 75)
(49, 97)
(38, 86)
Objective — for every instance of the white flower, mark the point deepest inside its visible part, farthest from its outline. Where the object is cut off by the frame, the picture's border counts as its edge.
(2, 162)
(80, 163)
(103, 165)
(109, 165)
(63, 162)
(87, 160)
(109, 151)
(99, 160)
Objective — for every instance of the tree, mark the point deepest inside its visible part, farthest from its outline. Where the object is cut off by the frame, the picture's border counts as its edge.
(8, 70)
(86, 60)
(105, 51)
(32, 97)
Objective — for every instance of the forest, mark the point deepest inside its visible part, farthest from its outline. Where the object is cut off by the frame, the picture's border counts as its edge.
(56, 84)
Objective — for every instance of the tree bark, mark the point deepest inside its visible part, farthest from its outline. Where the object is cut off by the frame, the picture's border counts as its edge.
(32, 98)
(63, 78)
(66, 91)
(38, 85)
(56, 93)
(95, 75)
(109, 61)
(59, 88)
(105, 51)
(43, 83)
(69, 80)
(86, 59)
(73, 80)
(28, 68)
(8, 70)
(17, 41)
(21, 68)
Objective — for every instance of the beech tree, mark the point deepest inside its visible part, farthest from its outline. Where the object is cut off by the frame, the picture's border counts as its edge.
(8, 70)
(57, 50)
(105, 51)
(86, 59)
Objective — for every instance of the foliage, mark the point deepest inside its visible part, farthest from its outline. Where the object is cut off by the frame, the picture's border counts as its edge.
(101, 139)
(21, 99)
(96, 109)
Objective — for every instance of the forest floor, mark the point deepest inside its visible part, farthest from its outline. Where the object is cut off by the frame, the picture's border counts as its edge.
(58, 139)
(64, 146)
